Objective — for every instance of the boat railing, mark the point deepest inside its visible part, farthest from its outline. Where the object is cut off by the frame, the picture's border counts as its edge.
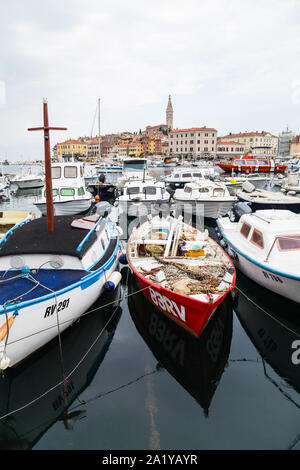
(79, 248)
(23, 222)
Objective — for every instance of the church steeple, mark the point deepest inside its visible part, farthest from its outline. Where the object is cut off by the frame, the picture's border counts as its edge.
(169, 114)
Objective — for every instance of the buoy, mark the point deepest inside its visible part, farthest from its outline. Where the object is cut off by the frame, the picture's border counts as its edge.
(123, 258)
(113, 281)
(4, 363)
(25, 269)
(232, 180)
(97, 198)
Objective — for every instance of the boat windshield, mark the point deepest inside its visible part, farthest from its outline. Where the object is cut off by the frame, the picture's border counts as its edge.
(67, 191)
(134, 190)
(135, 166)
(149, 190)
(56, 172)
(186, 175)
(70, 172)
(197, 175)
(54, 192)
(288, 242)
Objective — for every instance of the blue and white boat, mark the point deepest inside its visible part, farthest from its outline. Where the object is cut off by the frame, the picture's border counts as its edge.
(48, 279)
(265, 246)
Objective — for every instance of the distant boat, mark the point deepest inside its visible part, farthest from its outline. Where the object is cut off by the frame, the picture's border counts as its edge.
(142, 198)
(8, 219)
(253, 164)
(28, 181)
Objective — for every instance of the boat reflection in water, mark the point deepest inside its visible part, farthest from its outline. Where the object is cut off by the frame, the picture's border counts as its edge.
(196, 363)
(34, 396)
(273, 325)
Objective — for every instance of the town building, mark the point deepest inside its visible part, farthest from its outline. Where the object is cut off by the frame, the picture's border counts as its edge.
(69, 148)
(284, 142)
(169, 114)
(295, 147)
(256, 143)
(229, 149)
(193, 142)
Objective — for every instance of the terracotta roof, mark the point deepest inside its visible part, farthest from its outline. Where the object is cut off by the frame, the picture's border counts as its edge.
(245, 134)
(72, 141)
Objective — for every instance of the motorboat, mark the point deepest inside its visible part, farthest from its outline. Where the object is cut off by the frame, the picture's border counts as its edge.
(28, 181)
(134, 169)
(253, 164)
(48, 279)
(210, 197)
(70, 195)
(170, 162)
(290, 185)
(179, 177)
(180, 270)
(265, 246)
(235, 183)
(141, 198)
(264, 199)
(8, 219)
(197, 364)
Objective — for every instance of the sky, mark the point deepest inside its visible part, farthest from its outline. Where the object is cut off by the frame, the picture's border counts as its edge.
(229, 64)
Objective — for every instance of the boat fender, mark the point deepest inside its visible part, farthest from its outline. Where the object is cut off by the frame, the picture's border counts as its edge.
(231, 253)
(123, 258)
(223, 243)
(4, 363)
(113, 281)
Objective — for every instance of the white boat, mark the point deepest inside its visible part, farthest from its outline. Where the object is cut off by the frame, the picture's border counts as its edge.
(211, 197)
(28, 181)
(68, 187)
(48, 279)
(290, 185)
(134, 169)
(260, 199)
(8, 219)
(90, 174)
(265, 246)
(141, 198)
(179, 177)
(235, 183)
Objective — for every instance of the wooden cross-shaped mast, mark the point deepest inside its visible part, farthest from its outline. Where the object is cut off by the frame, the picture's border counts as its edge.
(48, 178)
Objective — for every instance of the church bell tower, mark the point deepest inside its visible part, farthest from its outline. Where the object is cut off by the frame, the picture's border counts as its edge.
(169, 114)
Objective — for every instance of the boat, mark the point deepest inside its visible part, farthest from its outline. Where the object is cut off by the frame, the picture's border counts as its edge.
(179, 177)
(253, 164)
(210, 197)
(8, 219)
(169, 162)
(52, 270)
(134, 169)
(141, 198)
(45, 390)
(90, 174)
(289, 185)
(180, 270)
(197, 364)
(69, 193)
(265, 246)
(235, 183)
(28, 181)
(260, 199)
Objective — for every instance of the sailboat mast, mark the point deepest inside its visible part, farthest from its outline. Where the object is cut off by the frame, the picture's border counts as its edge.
(99, 128)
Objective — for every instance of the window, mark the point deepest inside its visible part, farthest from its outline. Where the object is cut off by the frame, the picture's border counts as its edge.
(288, 242)
(197, 175)
(257, 238)
(186, 175)
(134, 190)
(54, 192)
(187, 189)
(56, 172)
(245, 230)
(80, 191)
(67, 192)
(149, 190)
(70, 172)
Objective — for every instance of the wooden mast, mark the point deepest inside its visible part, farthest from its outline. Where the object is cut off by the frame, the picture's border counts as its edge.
(48, 178)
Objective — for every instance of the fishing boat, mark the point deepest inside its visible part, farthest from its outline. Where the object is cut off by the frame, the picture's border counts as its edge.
(69, 193)
(28, 181)
(265, 246)
(52, 270)
(211, 197)
(141, 198)
(252, 164)
(182, 271)
(134, 169)
(8, 219)
(197, 364)
(260, 199)
(179, 177)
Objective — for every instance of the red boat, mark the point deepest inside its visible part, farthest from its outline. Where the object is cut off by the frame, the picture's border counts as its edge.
(249, 164)
(182, 271)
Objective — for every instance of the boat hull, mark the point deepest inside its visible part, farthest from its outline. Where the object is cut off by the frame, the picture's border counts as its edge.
(193, 315)
(211, 209)
(67, 207)
(251, 168)
(38, 321)
(38, 183)
(255, 206)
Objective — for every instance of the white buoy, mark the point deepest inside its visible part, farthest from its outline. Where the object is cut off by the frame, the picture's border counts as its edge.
(4, 363)
(113, 281)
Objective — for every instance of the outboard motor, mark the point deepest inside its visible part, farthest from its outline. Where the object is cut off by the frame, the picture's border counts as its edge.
(248, 187)
(239, 209)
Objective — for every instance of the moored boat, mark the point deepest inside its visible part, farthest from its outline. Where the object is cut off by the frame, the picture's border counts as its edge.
(260, 199)
(8, 219)
(253, 164)
(265, 246)
(182, 271)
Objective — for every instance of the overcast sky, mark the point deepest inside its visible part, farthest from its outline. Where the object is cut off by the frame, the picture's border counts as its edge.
(229, 64)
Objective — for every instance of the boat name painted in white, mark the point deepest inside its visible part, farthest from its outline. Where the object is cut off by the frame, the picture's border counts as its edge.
(61, 306)
(296, 354)
(272, 277)
(167, 305)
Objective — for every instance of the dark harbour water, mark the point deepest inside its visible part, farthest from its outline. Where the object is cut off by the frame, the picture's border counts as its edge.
(135, 380)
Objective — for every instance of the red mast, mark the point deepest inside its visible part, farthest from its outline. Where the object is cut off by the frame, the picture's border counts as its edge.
(48, 178)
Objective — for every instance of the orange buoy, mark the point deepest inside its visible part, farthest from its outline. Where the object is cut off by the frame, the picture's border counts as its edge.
(97, 198)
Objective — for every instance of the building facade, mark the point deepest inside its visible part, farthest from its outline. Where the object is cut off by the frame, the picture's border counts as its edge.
(256, 143)
(71, 148)
(169, 114)
(230, 149)
(193, 142)
(284, 142)
(295, 147)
